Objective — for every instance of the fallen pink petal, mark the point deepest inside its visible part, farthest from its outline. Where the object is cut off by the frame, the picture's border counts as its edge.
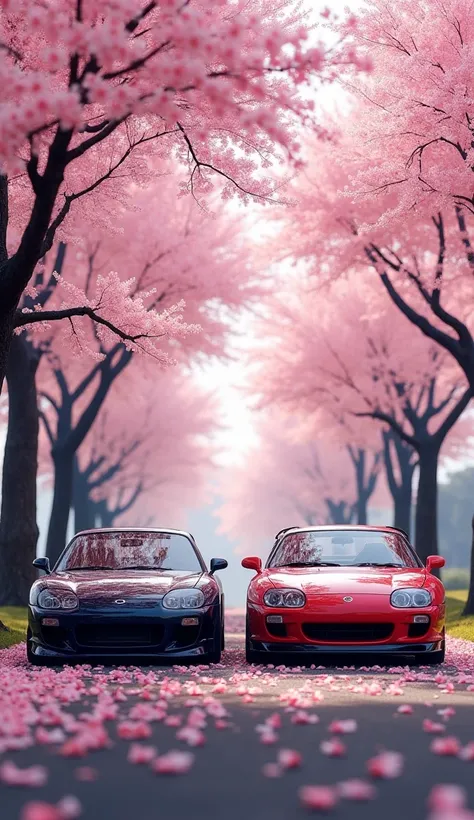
(386, 765)
(318, 798)
(359, 790)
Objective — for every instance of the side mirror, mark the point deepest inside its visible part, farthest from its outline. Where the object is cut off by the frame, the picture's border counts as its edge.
(217, 564)
(252, 563)
(434, 562)
(42, 563)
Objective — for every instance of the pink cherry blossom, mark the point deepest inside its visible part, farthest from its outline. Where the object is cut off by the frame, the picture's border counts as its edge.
(356, 790)
(432, 727)
(318, 798)
(445, 797)
(333, 748)
(467, 752)
(272, 770)
(174, 762)
(289, 759)
(343, 727)
(445, 746)
(138, 753)
(405, 709)
(11, 775)
(386, 765)
(130, 730)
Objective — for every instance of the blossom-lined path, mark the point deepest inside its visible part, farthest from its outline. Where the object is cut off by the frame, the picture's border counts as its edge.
(233, 740)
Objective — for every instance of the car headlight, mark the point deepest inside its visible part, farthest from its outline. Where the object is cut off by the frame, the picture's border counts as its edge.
(183, 599)
(57, 599)
(406, 598)
(284, 597)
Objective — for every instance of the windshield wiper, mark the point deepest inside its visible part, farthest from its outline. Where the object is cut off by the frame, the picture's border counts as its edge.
(373, 564)
(151, 569)
(309, 564)
(79, 569)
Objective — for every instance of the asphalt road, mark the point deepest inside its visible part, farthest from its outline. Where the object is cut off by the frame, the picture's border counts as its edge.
(226, 779)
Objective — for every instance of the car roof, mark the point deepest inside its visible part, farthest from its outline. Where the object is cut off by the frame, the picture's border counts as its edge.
(343, 528)
(169, 530)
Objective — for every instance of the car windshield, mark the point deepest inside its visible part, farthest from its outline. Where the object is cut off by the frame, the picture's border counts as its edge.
(343, 549)
(159, 551)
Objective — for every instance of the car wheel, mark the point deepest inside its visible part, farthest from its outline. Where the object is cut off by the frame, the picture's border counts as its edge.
(251, 656)
(32, 658)
(215, 655)
(433, 659)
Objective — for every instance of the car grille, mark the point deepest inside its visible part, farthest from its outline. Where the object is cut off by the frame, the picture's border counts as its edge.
(119, 635)
(417, 630)
(348, 633)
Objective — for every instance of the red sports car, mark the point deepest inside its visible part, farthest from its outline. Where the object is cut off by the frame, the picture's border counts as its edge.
(350, 590)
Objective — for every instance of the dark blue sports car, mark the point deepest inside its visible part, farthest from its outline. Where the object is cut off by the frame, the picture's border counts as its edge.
(127, 592)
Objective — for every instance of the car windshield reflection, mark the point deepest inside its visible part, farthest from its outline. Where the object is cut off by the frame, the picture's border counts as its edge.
(146, 551)
(349, 549)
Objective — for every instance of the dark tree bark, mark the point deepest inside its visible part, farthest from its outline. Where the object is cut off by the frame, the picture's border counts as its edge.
(63, 460)
(427, 445)
(426, 520)
(439, 324)
(84, 507)
(107, 517)
(401, 487)
(469, 608)
(366, 480)
(340, 512)
(69, 436)
(18, 528)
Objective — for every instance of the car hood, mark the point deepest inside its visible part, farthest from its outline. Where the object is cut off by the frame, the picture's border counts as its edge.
(102, 586)
(351, 581)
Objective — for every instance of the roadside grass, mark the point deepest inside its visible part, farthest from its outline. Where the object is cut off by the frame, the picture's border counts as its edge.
(457, 626)
(15, 618)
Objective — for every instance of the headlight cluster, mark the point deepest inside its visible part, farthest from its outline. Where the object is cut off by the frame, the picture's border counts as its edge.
(291, 598)
(410, 598)
(183, 599)
(57, 599)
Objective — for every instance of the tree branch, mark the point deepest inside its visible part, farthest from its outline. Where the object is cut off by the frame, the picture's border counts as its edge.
(23, 319)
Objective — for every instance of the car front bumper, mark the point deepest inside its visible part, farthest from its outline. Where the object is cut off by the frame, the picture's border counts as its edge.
(372, 626)
(101, 633)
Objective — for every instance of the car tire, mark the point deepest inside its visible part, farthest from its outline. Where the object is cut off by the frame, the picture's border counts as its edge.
(433, 659)
(251, 656)
(215, 655)
(32, 658)
(223, 626)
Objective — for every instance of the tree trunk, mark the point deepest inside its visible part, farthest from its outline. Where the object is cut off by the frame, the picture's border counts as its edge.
(106, 516)
(7, 323)
(469, 608)
(426, 520)
(62, 500)
(401, 486)
(339, 512)
(84, 508)
(365, 483)
(18, 527)
(402, 508)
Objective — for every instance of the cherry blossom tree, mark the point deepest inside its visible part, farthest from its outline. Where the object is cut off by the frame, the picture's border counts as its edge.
(148, 455)
(187, 255)
(411, 137)
(290, 480)
(353, 357)
(85, 85)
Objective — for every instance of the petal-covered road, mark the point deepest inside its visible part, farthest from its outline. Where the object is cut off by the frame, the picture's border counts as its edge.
(237, 741)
